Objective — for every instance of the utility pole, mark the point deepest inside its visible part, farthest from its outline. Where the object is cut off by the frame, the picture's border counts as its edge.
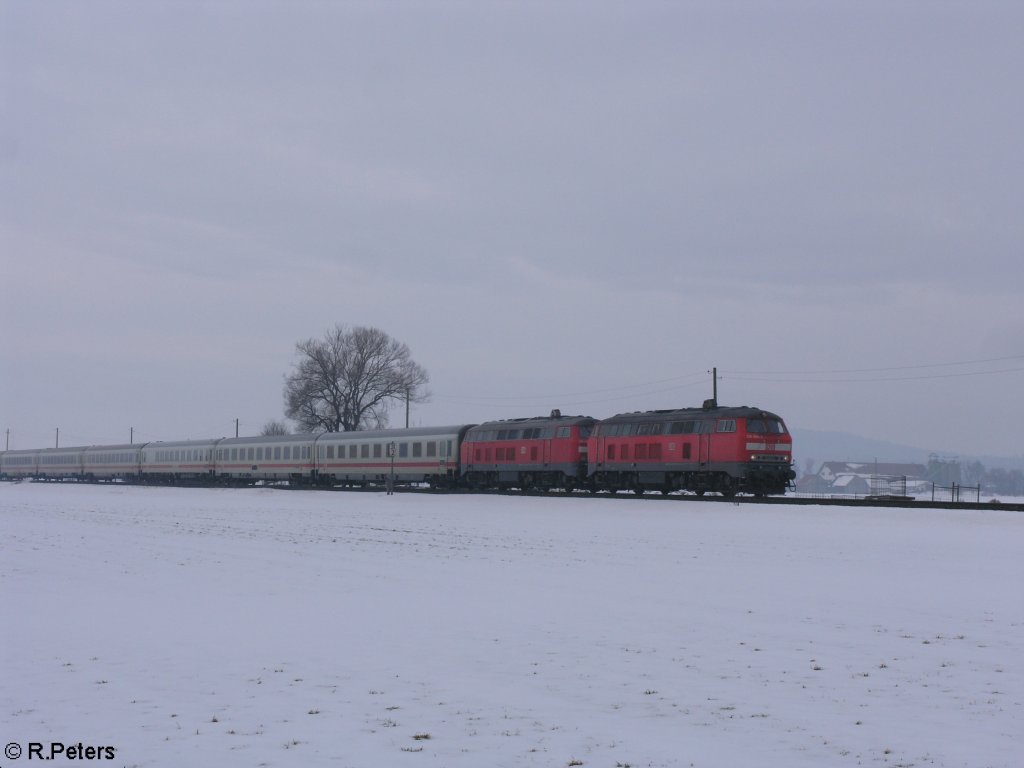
(236, 427)
(56, 443)
(131, 435)
(7, 442)
(406, 407)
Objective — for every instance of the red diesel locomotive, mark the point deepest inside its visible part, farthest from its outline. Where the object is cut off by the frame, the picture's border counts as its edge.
(728, 450)
(537, 453)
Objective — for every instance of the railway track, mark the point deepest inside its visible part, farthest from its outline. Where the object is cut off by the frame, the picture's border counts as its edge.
(894, 502)
(891, 502)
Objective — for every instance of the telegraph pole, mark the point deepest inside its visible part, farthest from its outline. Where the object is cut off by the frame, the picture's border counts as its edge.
(56, 443)
(236, 427)
(131, 435)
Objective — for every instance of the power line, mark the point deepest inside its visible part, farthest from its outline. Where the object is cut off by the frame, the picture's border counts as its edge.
(890, 368)
(879, 378)
(526, 400)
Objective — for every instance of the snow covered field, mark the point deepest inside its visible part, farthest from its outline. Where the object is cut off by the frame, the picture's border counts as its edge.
(273, 628)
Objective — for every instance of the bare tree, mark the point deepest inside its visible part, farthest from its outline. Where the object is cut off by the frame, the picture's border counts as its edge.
(274, 427)
(346, 380)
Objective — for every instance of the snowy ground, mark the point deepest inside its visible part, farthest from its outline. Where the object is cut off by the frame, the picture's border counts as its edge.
(274, 628)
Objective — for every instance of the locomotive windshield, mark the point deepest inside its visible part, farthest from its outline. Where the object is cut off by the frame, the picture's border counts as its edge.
(771, 426)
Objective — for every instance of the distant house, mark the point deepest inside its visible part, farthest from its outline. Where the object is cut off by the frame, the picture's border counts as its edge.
(851, 484)
(853, 478)
(830, 470)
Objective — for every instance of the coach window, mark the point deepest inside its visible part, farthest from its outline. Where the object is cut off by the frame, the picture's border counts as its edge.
(364, 451)
(277, 453)
(417, 450)
(330, 451)
(403, 450)
(431, 449)
(250, 454)
(378, 450)
(353, 450)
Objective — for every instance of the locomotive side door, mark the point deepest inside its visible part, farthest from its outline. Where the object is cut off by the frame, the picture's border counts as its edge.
(707, 429)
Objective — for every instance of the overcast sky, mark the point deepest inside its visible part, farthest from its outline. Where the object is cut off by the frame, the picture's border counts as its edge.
(576, 205)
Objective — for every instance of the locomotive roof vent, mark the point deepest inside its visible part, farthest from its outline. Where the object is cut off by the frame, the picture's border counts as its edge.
(556, 413)
(710, 404)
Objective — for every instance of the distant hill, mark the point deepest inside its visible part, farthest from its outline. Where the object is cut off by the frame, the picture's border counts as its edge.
(842, 446)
